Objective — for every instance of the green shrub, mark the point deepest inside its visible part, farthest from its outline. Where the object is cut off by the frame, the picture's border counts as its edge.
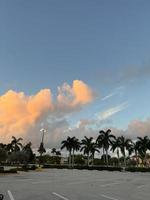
(137, 169)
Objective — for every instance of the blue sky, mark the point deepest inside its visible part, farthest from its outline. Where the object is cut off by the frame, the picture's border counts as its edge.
(103, 43)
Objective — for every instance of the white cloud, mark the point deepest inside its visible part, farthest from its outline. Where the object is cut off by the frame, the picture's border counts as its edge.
(108, 96)
(111, 111)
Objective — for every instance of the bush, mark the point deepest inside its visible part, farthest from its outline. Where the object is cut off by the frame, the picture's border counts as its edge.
(98, 161)
(79, 160)
(29, 167)
(137, 169)
(49, 159)
(50, 166)
(83, 167)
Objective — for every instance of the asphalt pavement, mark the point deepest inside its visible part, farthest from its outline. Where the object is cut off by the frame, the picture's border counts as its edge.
(64, 184)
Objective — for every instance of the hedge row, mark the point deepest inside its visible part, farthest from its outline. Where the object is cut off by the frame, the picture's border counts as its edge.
(100, 168)
(137, 169)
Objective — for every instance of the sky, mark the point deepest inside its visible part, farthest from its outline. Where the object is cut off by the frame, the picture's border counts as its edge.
(74, 67)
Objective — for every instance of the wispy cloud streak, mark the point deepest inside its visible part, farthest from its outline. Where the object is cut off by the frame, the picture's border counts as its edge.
(112, 111)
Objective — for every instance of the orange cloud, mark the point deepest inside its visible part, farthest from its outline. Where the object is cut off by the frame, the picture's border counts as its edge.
(76, 95)
(82, 92)
(19, 112)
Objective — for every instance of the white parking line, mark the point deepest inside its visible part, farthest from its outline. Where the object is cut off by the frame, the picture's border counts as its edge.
(110, 184)
(141, 186)
(107, 197)
(10, 195)
(60, 196)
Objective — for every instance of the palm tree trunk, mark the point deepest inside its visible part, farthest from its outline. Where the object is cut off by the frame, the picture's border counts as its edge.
(69, 158)
(145, 159)
(73, 159)
(92, 159)
(107, 157)
(136, 158)
(124, 158)
(88, 159)
(104, 155)
(118, 156)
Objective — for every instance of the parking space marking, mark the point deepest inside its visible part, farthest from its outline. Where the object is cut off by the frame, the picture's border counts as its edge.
(60, 196)
(10, 195)
(108, 197)
(141, 186)
(110, 184)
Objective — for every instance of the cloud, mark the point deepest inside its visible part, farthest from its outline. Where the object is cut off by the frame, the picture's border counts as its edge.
(134, 72)
(111, 111)
(108, 96)
(21, 115)
(136, 128)
(77, 94)
(116, 91)
(124, 74)
(19, 112)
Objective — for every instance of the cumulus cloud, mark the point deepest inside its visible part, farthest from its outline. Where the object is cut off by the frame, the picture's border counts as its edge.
(76, 95)
(20, 114)
(136, 128)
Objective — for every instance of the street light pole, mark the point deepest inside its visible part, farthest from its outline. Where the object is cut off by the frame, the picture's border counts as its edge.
(41, 149)
(43, 131)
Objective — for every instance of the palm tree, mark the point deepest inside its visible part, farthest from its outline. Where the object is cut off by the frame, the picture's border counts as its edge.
(75, 147)
(115, 145)
(124, 145)
(86, 147)
(134, 148)
(104, 140)
(143, 146)
(28, 152)
(94, 149)
(68, 144)
(16, 144)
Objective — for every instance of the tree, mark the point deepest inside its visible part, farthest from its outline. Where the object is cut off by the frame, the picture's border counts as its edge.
(75, 147)
(143, 145)
(94, 149)
(86, 147)
(58, 153)
(68, 144)
(41, 149)
(104, 140)
(115, 145)
(3, 155)
(53, 151)
(16, 144)
(124, 144)
(28, 151)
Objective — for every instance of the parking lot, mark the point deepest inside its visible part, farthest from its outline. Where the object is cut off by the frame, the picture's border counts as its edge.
(63, 184)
